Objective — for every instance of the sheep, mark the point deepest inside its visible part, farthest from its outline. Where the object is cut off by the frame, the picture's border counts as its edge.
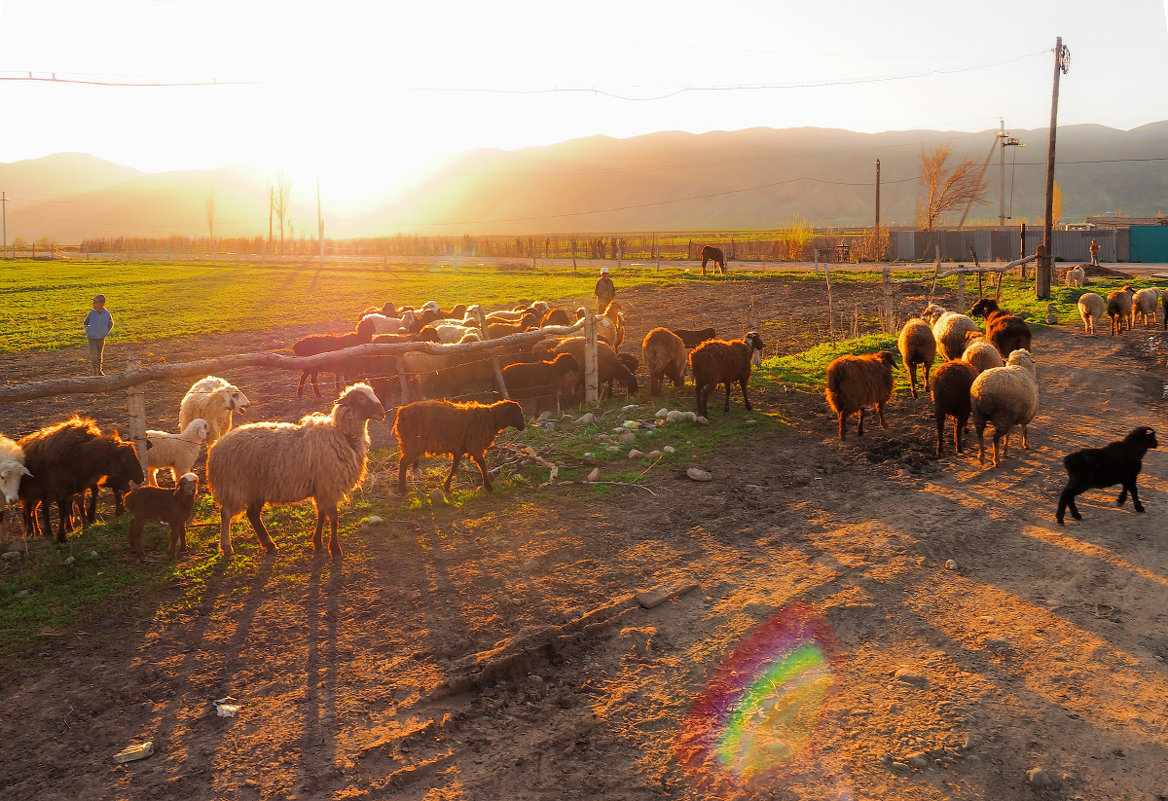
(952, 331)
(170, 506)
(611, 326)
(438, 374)
(314, 344)
(384, 324)
(500, 329)
(1119, 309)
(556, 317)
(387, 309)
(1144, 304)
(1091, 309)
(629, 361)
(665, 354)
(718, 361)
(543, 380)
(64, 459)
(1008, 332)
(1096, 468)
(430, 313)
(214, 400)
(856, 381)
(176, 452)
(437, 426)
(322, 457)
(1076, 276)
(609, 368)
(449, 333)
(950, 393)
(12, 469)
(1005, 396)
(916, 346)
(982, 355)
(692, 338)
(119, 478)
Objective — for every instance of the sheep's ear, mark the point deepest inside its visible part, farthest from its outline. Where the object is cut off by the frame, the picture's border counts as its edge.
(149, 444)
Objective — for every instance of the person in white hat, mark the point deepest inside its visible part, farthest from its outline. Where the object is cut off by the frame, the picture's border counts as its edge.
(605, 291)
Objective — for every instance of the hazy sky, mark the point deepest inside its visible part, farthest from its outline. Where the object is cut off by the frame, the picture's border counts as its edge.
(356, 92)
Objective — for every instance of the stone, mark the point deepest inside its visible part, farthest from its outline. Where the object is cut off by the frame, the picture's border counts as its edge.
(70, 560)
(911, 677)
(612, 449)
(22, 594)
(11, 555)
(654, 454)
(749, 421)
(594, 475)
(950, 564)
(374, 520)
(589, 455)
(437, 496)
(661, 413)
(701, 421)
(636, 454)
(669, 449)
(545, 416)
(586, 419)
(626, 438)
(18, 547)
(631, 407)
(674, 416)
(698, 474)
(1039, 777)
(918, 759)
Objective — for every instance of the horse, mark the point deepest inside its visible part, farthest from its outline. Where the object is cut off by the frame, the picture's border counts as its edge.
(711, 253)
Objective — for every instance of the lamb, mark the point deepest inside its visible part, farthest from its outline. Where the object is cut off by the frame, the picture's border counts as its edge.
(170, 506)
(665, 354)
(500, 329)
(64, 459)
(384, 324)
(387, 309)
(718, 361)
(950, 394)
(542, 381)
(952, 331)
(1091, 309)
(314, 344)
(982, 355)
(1008, 332)
(1144, 304)
(448, 333)
(430, 312)
(1096, 468)
(1119, 309)
(12, 469)
(322, 457)
(214, 400)
(1005, 396)
(854, 382)
(437, 426)
(916, 346)
(1076, 276)
(176, 452)
(694, 337)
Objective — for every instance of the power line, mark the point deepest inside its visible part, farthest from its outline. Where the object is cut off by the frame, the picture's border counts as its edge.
(54, 78)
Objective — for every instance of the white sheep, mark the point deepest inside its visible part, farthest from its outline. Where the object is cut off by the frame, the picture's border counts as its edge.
(449, 333)
(177, 452)
(1092, 308)
(214, 400)
(952, 331)
(322, 457)
(11, 469)
(1005, 396)
(1144, 304)
(982, 355)
(1076, 276)
(383, 324)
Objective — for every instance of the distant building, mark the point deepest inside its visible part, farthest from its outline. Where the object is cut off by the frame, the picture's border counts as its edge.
(1112, 223)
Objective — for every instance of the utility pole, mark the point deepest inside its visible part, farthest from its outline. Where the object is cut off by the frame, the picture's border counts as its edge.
(877, 197)
(1005, 140)
(1062, 58)
(4, 212)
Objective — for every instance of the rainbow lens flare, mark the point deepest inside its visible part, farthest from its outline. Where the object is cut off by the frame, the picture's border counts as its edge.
(758, 713)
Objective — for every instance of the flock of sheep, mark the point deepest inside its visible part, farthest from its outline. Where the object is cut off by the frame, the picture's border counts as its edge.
(990, 376)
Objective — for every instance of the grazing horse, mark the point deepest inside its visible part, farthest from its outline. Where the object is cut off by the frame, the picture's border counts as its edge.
(711, 253)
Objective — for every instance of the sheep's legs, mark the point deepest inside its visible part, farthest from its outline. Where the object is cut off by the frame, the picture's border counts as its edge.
(726, 403)
(1067, 501)
(257, 522)
(843, 426)
(911, 369)
(225, 531)
(1130, 487)
(860, 427)
(745, 398)
(322, 512)
(136, 526)
(880, 414)
(481, 461)
(453, 469)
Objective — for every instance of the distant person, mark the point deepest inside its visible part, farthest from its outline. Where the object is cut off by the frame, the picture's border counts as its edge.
(1094, 253)
(605, 291)
(98, 323)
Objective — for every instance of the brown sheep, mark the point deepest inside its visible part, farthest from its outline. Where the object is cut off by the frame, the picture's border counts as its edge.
(436, 427)
(693, 338)
(543, 381)
(1007, 332)
(1119, 309)
(854, 382)
(556, 317)
(170, 506)
(950, 394)
(917, 346)
(64, 460)
(314, 344)
(665, 354)
(611, 328)
(609, 367)
(718, 361)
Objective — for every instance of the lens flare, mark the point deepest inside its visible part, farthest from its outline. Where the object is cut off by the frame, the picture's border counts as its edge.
(757, 716)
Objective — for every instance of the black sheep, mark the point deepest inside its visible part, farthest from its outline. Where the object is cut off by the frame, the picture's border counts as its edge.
(1096, 468)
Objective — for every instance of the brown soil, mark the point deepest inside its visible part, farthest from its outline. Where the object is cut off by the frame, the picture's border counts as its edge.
(496, 650)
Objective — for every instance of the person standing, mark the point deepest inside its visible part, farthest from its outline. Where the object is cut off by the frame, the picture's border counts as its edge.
(98, 323)
(605, 291)
(1094, 253)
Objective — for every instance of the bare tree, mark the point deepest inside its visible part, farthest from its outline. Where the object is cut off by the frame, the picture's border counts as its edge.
(946, 189)
(211, 219)
(279, 199)
(1056, 209)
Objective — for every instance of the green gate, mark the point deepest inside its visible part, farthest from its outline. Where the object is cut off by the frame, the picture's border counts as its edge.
(1149, 243)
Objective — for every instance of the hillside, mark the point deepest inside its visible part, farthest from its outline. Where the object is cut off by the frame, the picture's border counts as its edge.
(754, 178)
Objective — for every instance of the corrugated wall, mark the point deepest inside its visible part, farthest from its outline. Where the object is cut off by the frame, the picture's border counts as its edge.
(1069, 246)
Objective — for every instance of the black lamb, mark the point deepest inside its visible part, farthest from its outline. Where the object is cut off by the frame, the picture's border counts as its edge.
(1096, 468)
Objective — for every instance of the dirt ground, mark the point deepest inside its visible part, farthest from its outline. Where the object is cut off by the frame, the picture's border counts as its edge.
(499, 650)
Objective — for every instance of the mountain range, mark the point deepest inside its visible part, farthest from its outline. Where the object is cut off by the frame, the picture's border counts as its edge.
(670, 181)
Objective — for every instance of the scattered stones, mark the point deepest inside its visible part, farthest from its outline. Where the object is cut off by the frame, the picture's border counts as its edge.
(93, 554)
(11, 555)
(547, 415)
(437, 496)
(654, 454)
(702, 421)
(594, 475)
(917, 759)
(662, 413)
(631, 407)
(911, 677)
(950, 564)
(1039, 777)
(678, 416)
(589, 455)
(636, 454)
(698, 474)
(669, 449)
(749, 421)
(22, 594)
(70, 560)
(626, 438)
(612, 449)
(586, 419)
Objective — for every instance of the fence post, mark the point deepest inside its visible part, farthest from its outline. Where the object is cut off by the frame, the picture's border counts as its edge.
(752, 325)
(889, 309)
(573, 255)
(136, 400)
(830, 308)
(657, 250)
(960, 290)
(591, 377)
(494, 355)
(399, 366)
(620, 253)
